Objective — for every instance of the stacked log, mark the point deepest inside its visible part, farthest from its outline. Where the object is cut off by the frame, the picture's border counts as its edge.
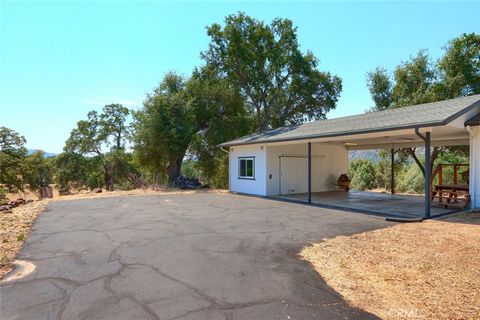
(8, 206)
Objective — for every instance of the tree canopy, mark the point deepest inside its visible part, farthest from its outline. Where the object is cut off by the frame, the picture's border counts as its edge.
(280, 84)
(192, 115)
(12, 155)
(104, 136)
(420, 80)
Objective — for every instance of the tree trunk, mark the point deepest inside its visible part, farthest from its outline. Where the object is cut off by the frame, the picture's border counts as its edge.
(261, 126)
(108, 179)
(267, 116)
(173, 170)
(433, 156)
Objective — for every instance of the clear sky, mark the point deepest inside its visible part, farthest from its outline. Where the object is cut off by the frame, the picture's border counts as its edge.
(58, 60)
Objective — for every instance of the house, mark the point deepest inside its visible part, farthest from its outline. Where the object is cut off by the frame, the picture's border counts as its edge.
(304, 161)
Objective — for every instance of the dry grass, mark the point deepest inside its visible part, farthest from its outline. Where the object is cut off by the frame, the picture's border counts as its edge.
(136, 192)
(428, 270)
(15, 226)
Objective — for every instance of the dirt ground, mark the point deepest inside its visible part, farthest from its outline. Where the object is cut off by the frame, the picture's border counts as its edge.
(428, 270)
(15, 226)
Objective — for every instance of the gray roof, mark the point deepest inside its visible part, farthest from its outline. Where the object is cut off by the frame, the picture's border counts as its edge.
(475, 121)
(421, 115)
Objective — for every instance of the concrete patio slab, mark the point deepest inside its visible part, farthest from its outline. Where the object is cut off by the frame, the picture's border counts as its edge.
(184, 256)
(382, 204)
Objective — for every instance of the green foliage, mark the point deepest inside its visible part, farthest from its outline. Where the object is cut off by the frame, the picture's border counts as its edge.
(192, 115)
(367, 174)
(411, 180)
(38, 171)
(71, 170)
(460, 67)
(279, 83)
(113, 121)
(12, 155)
(3, 195)
(380, 86)
(414, 81)
(91, 138)
(362, 173)
(189, 169)
(222, 116)
(17, 168)
(419, 80)
(165, 126)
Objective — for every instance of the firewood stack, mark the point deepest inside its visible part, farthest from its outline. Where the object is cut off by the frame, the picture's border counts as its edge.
(343, 182)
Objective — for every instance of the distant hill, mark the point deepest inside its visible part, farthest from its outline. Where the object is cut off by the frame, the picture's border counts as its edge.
(46, 154)
(371, 155)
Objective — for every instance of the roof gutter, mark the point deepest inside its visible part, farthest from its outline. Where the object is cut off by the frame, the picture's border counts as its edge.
(226, 151)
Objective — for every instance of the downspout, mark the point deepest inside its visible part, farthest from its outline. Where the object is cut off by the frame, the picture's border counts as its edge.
(228, 152)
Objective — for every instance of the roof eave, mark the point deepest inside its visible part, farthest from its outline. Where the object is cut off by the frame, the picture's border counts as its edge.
(350, 133)
(421, 125)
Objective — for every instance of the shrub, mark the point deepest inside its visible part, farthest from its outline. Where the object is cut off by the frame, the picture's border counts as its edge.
(362, 173)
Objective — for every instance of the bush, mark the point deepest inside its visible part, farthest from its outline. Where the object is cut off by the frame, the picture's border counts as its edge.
(362, 173)
(411, 180)
(125, 185)
(3, 195)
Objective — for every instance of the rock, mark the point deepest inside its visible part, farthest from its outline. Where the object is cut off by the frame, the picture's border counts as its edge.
(16, 203)
(5, 207)
(96, 190)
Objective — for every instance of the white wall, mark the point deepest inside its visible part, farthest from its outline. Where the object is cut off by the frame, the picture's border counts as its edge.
(328, 163)
(256, 186)
(475, 167)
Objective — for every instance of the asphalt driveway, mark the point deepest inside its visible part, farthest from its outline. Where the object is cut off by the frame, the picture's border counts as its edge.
(179, 256)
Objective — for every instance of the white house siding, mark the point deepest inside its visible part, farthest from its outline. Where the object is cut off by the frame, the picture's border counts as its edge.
(328, 162)
(255, 186)
(475, 167)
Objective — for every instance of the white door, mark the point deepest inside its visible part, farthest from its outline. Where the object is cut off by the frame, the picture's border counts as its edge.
(293, 175)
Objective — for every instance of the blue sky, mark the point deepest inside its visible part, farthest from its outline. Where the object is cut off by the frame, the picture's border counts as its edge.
(58, 60)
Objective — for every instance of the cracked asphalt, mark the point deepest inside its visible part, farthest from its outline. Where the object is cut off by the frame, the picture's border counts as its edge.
(179, 256)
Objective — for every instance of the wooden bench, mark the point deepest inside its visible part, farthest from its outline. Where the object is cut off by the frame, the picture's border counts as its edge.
(454, 195)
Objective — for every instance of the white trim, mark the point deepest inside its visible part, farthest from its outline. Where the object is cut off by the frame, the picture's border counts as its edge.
(246, 166)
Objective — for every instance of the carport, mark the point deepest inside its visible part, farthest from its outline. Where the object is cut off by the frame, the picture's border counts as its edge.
(302, 163)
